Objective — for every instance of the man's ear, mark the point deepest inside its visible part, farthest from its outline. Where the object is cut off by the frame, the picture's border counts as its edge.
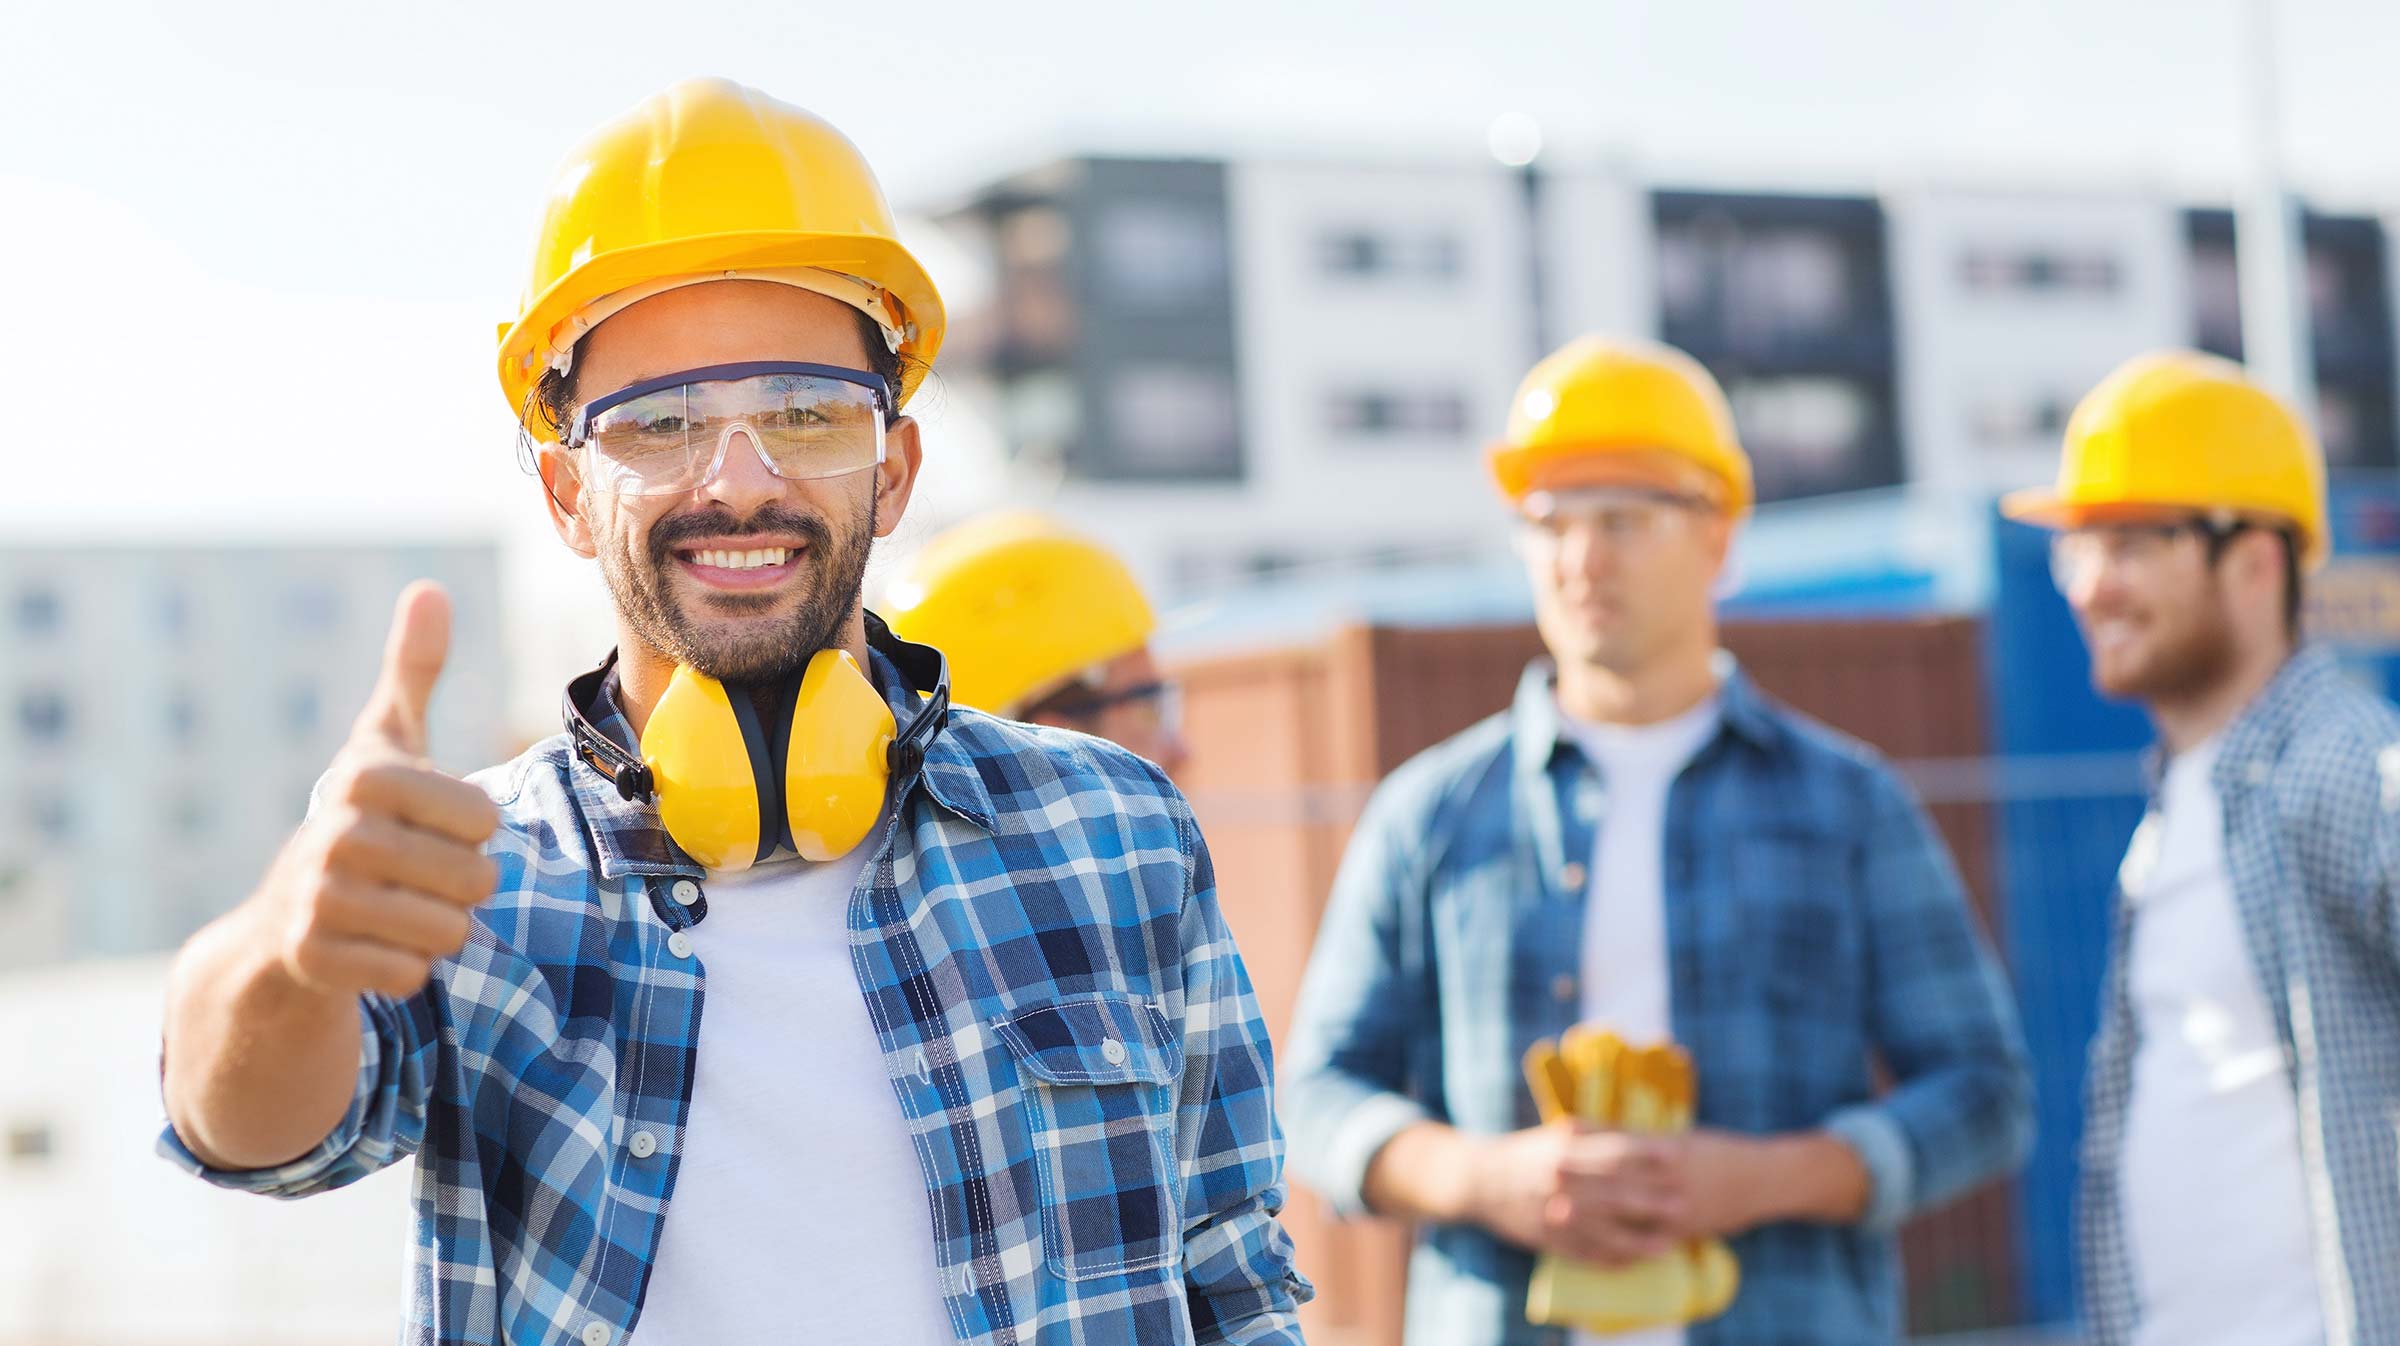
(896, 478)
(562, 488)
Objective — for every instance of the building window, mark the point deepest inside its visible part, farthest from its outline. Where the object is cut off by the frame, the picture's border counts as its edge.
(2217, 297)
(30, 1143)
(52, 816)
(182, 714)
(1351, 253)
(2038, 271)
(1760, 286)
(189, 815)
(1170, 420)
(39, 613)
(174, 614)
(312, 608)
(2019, 421)
(1159, 256)
(302, 711)
(1387, 412)
(42, 713)
(1810, 435)
(1036, 236)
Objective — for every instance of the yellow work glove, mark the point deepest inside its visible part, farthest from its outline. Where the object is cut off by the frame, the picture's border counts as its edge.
(1594, 1077)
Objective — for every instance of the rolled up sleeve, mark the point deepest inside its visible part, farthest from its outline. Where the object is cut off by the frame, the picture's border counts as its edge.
(1960, 1112)
(384, 1124)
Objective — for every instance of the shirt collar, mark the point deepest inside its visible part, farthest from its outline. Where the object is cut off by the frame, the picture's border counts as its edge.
(2256, 737)
(629, 839)
(1541, 727)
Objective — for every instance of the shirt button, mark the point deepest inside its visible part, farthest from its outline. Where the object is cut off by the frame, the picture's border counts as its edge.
(1114, 1051)
(1564, 989)
(595, 1333)
(643, 1145)
(685, 892)
(2257, 773)
(1571, 876)
(679, 944)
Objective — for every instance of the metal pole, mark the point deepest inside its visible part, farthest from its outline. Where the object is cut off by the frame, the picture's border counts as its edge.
(2269, 250)
(1536, 267)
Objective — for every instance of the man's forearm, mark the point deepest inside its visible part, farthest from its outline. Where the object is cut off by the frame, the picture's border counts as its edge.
(1425, 1173)
(1809, 1176)
(259, 1069)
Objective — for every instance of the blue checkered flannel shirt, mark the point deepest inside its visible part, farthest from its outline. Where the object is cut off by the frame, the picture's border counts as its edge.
(1063, 1015)
(1815, 927)
(2309, 777)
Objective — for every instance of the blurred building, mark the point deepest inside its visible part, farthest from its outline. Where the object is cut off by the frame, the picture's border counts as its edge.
(164, 711)
(1287, 367)
(106, 1244)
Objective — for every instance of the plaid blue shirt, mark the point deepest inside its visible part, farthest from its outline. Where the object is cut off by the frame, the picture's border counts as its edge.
(2309, 778)
(1063, 1017)
(1814, 926)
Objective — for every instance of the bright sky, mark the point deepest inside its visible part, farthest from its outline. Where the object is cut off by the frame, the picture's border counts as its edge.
(259, 249)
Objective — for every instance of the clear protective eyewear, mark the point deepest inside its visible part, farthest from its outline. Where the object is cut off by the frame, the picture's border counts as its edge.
(2078, 555)
(1626, 517)
(670, 434)
(1165, 699)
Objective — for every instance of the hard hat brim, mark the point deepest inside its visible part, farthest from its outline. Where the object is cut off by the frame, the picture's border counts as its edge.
(881, 260)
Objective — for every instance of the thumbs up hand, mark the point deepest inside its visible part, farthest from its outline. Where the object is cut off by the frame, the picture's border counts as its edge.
(378, 884)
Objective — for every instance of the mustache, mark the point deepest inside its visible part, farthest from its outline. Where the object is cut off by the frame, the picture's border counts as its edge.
(685, 530)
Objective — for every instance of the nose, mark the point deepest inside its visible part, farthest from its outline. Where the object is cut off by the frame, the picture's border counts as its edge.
(742, 482)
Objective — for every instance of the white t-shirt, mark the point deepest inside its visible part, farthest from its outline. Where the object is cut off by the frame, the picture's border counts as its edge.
(2214, 1198)
(1624, 957)
(799, 1212)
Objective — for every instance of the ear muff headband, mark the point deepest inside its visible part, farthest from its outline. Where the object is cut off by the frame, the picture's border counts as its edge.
(733, 785)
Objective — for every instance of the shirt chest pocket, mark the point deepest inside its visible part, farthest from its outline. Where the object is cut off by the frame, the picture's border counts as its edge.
(1799, 929)
(1099, 1073)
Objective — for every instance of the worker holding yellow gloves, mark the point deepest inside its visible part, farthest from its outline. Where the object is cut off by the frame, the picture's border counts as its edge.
(1697, 919)
(1044, 625)
(2240, 1181)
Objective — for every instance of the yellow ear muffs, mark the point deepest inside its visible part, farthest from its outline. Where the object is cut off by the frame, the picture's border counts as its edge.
(731, 788)
(838, 760)
(706, 752)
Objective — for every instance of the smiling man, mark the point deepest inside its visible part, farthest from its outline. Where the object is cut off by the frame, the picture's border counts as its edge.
(2241, 1181)
(978, 1062)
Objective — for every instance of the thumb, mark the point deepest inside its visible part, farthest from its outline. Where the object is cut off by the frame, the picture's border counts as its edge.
(412, 662)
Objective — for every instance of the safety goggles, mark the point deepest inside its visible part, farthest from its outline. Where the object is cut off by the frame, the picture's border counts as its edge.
(670, 434)
(2078, 555)
(1625, 517)
(1166, 699)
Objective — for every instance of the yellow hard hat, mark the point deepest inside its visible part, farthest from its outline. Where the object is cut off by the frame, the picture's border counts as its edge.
(1608, 395)
(707, 178)
(1020, 606)
(2179, 429)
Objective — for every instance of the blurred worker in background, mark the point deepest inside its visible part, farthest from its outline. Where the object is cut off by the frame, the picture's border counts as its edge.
(2241, 1172)
(1042, 625)
(1647, 843)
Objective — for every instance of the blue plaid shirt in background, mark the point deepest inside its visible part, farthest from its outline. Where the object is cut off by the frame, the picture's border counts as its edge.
(2309, 778)
(1814, 927)
(1062, 1013)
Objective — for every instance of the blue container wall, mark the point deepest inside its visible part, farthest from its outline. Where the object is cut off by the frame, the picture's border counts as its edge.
(2060, 841)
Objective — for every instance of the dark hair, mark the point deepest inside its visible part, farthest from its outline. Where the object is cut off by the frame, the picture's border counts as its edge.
(2293, 596)
(554, 393)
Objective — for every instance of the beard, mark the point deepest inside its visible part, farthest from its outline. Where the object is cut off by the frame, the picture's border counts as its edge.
(836, 569)
(2195, 656)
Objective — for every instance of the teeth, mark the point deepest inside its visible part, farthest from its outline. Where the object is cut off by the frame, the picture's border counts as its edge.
(743, 560)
